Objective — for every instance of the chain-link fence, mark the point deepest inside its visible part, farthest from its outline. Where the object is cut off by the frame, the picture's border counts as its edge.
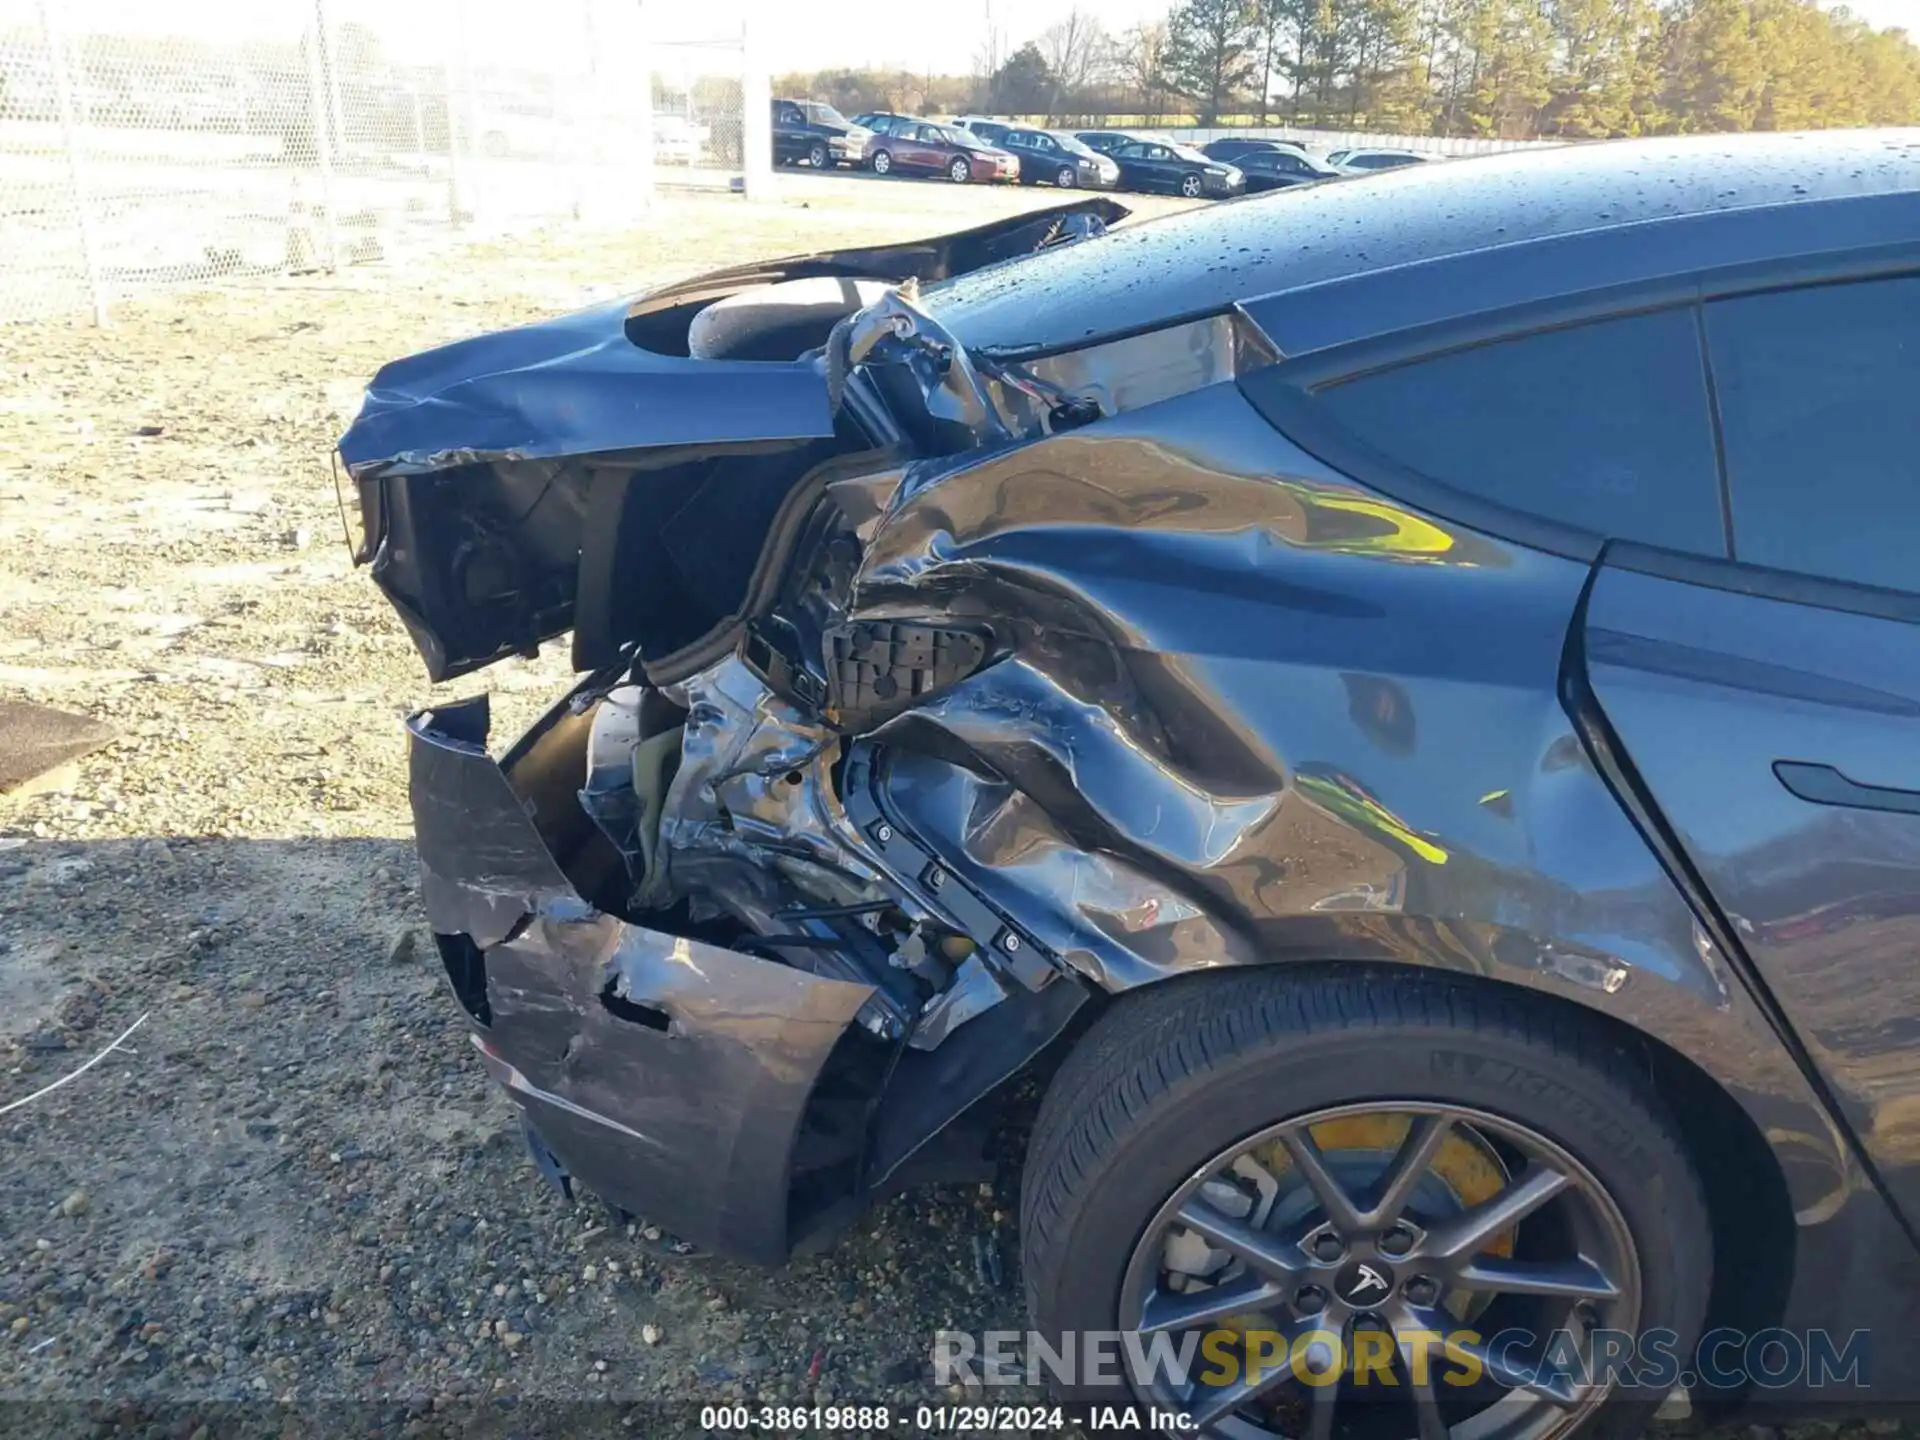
(143, 145)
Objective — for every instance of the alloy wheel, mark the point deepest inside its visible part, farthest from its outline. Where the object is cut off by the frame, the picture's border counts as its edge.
(1066, 179)
(959, 170)
(882, 163)
(1190, 186)
(1370, 1229)
(817, 156)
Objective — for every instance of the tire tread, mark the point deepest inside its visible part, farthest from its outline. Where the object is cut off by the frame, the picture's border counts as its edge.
(1153, 1045)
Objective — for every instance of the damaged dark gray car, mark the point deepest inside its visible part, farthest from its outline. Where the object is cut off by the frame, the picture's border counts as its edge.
(1176, 662)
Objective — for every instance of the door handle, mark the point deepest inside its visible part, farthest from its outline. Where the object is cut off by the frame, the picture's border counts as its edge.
(1824, 785)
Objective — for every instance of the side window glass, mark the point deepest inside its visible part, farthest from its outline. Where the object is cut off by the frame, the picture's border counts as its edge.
(1819, 393)
(1603, 426)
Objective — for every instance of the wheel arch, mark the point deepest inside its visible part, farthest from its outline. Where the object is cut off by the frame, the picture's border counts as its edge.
(1749, 1202)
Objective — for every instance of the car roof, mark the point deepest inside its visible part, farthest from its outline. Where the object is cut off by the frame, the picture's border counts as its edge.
(1426, 243)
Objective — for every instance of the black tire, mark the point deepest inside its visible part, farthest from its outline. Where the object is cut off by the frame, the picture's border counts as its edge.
(1068, 178)
(882, 162)
(1173, 1076)
(959, 170)
(819, 156)
(1192, 186)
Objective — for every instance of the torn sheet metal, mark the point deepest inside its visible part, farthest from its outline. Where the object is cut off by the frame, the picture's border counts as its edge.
(669, 1075)
(686, 1113)
(603, 380)
(572, 386)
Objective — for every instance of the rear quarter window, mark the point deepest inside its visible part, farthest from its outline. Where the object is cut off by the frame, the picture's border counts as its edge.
(1819, 393)
(1604, 426)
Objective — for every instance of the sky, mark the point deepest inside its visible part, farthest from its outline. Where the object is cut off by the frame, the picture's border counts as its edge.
(797, 40)
(795, 36)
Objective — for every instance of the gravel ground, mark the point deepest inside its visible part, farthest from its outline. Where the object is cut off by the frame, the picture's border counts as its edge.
(297, 1185)
(295, 1188)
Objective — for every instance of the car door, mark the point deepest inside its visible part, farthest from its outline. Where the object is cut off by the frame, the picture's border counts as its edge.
(1271, 169)
(790, 135)
(1286, 168)
(901, 143)
(1039, 156)
(1019, 144)
(1770, 704)
(1136, 169)
(1160, 168)
(925, 149)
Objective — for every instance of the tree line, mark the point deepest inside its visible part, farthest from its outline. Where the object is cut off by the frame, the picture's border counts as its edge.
(1515, 69)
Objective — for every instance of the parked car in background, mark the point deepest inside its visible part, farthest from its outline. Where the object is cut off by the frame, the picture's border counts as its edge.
(1168, 168)
(922, 147)
(1360, 162)
(1230, 148)
(1282, 169)
(1105, 142)
(815, 132)
(985, 126)
(1057, 160)
(522, 127)
(678, 140)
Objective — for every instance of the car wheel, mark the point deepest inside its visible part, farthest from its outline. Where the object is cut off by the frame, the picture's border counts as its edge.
(1067, 178)
(882, 163)
(818, 155)
(1191, 185)
(1325, 1166)
(959, 171)
(494, 145)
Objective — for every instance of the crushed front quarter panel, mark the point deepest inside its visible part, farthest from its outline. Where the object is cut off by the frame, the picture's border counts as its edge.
(669, 1075)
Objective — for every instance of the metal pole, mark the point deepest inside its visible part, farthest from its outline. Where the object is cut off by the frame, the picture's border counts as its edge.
(76, 180)
(459, 121)
(330, 74)
(756, 119)
(322, 142)
(580, 111)
(644, 158)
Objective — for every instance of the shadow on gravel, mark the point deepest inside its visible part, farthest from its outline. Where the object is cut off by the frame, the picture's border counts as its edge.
(295, 1186)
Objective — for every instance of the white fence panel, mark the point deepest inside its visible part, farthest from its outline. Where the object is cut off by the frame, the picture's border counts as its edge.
(1322, 141)
(146, 145)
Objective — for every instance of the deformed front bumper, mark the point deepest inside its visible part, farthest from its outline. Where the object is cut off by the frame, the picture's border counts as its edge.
(670, 1076)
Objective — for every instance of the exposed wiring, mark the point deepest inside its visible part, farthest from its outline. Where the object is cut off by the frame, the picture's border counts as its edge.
(75, 1075)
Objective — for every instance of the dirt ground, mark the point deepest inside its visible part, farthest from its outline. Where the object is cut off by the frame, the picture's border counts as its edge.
(295, 1185)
